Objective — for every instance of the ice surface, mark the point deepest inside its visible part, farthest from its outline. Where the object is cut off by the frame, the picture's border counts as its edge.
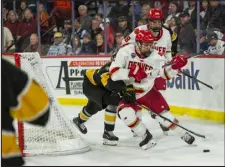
(170, 150)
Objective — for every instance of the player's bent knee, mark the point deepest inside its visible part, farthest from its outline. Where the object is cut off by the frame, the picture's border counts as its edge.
(166, 123)
(127, 115)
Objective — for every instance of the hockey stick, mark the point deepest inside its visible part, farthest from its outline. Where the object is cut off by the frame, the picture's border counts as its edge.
(142, 106)
(203, 83)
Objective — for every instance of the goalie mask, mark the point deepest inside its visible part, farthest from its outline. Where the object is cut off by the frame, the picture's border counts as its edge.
(144, 41)
(155, 17)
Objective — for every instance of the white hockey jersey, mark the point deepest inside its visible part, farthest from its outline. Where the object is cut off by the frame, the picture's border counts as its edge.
(163, 42)
(219, 49)
(127, 55)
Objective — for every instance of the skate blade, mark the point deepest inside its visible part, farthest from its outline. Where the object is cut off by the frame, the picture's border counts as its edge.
(148, 145)
(109, 142)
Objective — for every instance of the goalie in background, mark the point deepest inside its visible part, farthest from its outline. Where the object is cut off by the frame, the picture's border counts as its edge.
(24, 100)
(102, 93)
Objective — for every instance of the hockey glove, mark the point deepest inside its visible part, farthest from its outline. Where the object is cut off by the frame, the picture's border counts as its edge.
(137, 73)
(129, 96)
(180, 61)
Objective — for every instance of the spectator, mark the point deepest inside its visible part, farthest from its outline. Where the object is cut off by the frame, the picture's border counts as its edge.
(23, 7)
(174, 28)
(217, 46)
(12, 23)
(67, 31)
(32, 6)
(130, 17)
(118, 40)
(109, 31)
(162, 5)
(215, 16)
(120, 9)
(100, 44)
(123, 25)
(101, 8)
(43, 16)
(173, 11)
(187, 40)
(142, 22)
(205, 5)
(193, 12)
(204, 45)
(59, 47)
(88, 46)
(4, 14)
(8, 43)
(76, 45)
(99, 17)
(95, 28)
(85, 19)
(27, 26)
(145, 11)
(79, 31)
(33, 46)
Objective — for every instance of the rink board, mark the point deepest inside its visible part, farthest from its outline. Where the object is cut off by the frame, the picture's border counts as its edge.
(185, 96)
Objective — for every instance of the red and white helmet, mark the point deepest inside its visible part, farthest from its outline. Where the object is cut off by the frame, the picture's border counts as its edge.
(155, 14)
(144, 36)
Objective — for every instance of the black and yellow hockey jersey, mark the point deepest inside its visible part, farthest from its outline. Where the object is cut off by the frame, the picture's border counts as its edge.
(22, 99)
(102, 78)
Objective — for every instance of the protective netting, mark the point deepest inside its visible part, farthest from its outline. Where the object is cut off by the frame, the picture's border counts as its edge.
(59, 136)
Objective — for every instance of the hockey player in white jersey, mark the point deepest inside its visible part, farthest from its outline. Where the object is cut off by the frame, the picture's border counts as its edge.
(135, 66)
(162, 42)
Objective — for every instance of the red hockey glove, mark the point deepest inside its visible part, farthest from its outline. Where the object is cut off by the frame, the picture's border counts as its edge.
(137, 73)
(180, 61)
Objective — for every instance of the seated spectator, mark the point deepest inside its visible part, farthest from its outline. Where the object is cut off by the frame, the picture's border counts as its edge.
(5, 12)
(205, 5)
(59, 47)
(99, 17)
(85, 19)
(33, 46)
(172, 11)
(123, 25)
(95, 28)
(8, 43)
(31, 4)
(109, 31)
(23, 7)
(145, 11)
(118, 40)
(204, 45)
(79, 31)
(100, 44)
(76, 45)
(27, 26)
(12, 23)
(187, 38)
(67, 31)
(216, 46)
(162, 5)
(43, 16)
(130, 17)
(142, 22)
(88, 46)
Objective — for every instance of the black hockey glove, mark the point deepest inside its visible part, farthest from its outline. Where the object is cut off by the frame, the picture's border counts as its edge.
(129, 95)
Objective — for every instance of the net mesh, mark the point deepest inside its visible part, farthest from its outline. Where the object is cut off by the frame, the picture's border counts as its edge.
(59, 136)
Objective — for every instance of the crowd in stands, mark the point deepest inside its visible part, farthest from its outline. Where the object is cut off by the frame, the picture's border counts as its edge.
(60, 35)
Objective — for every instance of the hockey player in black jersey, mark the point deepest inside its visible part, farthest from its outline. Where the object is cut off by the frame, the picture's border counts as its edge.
(102, 93)
(22, 99)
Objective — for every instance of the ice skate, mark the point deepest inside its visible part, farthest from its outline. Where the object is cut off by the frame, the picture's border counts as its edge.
(147, 141)
(80, 126)
(109, 138)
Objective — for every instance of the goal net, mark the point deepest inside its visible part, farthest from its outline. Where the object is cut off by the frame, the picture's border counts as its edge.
(59, 136)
